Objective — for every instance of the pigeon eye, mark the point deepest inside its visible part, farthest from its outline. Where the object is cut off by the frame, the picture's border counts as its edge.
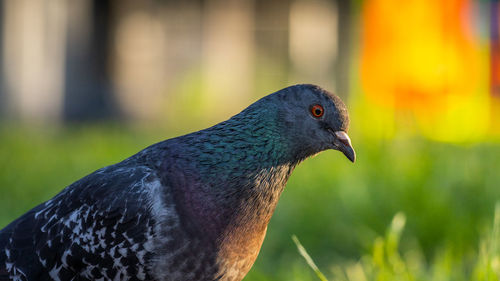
(317, 111)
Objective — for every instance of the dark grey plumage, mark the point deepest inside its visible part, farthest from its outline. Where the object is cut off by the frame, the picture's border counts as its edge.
(195, 207)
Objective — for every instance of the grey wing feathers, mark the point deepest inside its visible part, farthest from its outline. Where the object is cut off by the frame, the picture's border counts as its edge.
(99, 227)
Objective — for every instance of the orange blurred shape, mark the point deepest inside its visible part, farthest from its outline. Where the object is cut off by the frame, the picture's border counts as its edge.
(416, 54)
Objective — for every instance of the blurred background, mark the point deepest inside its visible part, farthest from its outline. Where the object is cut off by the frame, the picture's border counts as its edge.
(84, 84)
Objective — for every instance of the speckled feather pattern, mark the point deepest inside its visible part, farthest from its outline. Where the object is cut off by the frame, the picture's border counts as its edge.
(195, 207)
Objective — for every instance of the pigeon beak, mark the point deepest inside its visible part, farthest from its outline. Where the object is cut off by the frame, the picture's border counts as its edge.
(343, 144)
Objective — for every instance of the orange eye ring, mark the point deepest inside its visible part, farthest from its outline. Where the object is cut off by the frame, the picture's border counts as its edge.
(317, 111)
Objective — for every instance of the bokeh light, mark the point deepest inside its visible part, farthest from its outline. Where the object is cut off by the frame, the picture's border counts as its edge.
(425, 58)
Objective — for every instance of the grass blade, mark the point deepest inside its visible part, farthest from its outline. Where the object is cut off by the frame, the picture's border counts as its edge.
(308, 258)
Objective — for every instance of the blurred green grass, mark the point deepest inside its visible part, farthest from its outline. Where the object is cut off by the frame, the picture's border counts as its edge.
(339, 210)
(386, 262)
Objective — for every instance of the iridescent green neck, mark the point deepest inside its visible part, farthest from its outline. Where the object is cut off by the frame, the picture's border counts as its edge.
(242, 146)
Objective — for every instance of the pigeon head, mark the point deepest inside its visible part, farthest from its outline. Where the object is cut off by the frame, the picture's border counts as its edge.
(284, 127)
(314, 120)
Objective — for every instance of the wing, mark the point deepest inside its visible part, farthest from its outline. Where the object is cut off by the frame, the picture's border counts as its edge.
(99, 227)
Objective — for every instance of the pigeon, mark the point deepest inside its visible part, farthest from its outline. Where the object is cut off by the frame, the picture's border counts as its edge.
(194, 207)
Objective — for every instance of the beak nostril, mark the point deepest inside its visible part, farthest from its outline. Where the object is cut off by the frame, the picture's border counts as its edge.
(343, 138)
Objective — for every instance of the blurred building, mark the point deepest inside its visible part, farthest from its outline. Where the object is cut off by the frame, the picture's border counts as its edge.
(55, 60)
(143, 60)
(405, 67)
